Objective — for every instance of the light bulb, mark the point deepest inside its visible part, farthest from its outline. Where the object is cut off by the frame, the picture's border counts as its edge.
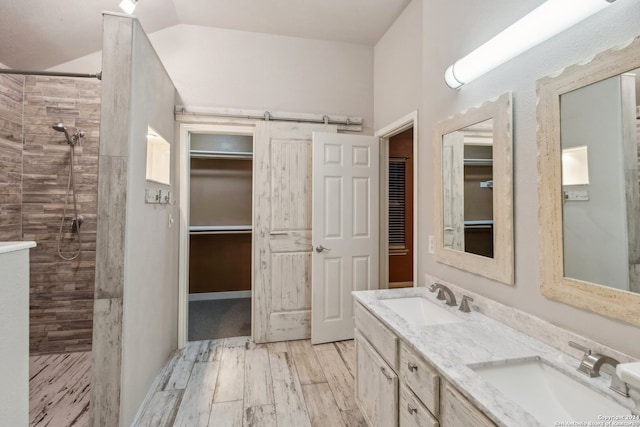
(128, 6)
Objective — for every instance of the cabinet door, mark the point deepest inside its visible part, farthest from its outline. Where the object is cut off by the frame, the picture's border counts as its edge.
(456, 411)
(376, 386)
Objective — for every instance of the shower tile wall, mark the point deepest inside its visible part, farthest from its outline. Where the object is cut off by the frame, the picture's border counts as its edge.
(61, 292)
(11, 88)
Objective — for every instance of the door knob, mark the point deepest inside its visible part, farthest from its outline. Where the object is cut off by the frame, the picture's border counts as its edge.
(321, 248)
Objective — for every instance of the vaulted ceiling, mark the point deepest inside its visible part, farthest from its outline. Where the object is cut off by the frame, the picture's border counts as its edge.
(39, 34)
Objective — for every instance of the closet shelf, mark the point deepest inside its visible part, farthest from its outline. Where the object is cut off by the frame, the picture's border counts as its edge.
(208, 154)
(219, 229)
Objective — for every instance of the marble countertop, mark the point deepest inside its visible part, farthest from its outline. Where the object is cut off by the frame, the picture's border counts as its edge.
(15, 246)
(477, 341)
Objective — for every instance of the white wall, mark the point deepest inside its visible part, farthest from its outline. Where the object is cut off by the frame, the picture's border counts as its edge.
(397, 68)
(450, 30)
(214, 67)
(150, 313)
(227, 68)
(596, 247)
(135, 308)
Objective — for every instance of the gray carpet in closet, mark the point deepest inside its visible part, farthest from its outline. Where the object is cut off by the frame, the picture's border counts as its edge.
(213, 319)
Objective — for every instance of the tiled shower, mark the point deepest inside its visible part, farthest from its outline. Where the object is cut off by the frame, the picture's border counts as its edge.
(34, 169)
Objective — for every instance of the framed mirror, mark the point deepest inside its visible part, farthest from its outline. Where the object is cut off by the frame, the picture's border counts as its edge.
(474, 189)
(588, 187)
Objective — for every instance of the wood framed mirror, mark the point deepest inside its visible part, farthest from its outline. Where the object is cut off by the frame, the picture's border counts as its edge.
(588, 186)
(474, 190)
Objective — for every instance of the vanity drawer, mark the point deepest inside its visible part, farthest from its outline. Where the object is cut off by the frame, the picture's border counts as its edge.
(412, 412)
(459, 412)
(421, 377)
(383, 340)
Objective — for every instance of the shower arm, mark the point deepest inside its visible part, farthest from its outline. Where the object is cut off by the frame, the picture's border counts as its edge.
(51, 73)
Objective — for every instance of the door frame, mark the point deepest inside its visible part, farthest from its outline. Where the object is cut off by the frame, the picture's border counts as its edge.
(183, 202)
(399, 126)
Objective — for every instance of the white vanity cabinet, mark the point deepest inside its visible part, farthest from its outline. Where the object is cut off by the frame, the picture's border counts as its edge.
(14, 332)
(376, 367)
(420, 394)
(376, 386)
(397, 387)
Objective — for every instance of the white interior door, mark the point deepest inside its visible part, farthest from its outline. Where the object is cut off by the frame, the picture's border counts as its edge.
(345, 230)
(282, 230)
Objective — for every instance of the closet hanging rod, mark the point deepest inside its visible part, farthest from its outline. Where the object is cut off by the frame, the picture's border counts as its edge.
(478, 227)
(201, 228)
(51, 73)
(221, 154)
(478, 162)
(202, 233)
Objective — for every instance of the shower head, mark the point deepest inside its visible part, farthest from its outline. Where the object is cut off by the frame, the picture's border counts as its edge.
(62, 128)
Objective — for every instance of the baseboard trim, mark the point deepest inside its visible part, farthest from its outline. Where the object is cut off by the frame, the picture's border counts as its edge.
(204, 296)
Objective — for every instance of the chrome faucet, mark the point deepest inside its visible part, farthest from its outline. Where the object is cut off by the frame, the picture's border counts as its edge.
(591, 365)
(444, 293)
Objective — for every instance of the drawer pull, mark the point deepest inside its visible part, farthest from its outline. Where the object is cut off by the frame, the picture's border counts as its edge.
(412, 366)
(384, 372)
(412, 409)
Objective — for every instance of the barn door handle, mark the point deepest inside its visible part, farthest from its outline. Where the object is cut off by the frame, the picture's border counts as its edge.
(321, 248)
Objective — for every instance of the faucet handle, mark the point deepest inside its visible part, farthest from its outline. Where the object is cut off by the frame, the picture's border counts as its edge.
(464, 304)
(588, 362)
(433, 287)
(577, 346)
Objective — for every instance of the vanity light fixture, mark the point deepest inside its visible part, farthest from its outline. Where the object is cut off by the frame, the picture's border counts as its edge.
(128, 6)
(544, 22)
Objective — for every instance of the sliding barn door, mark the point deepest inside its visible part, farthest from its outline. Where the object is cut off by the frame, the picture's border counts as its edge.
(345, 230)
(282, 230)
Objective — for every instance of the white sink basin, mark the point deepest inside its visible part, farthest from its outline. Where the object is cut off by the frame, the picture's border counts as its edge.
(420, 311)
(548, 394)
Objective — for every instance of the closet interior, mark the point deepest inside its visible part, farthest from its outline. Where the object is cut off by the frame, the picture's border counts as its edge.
(220, 219)
(478, 199)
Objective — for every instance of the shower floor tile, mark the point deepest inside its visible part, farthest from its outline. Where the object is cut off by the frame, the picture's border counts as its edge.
(59, 390)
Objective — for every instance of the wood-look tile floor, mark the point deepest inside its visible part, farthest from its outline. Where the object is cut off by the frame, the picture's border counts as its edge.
(234, 382)
(59, 390)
